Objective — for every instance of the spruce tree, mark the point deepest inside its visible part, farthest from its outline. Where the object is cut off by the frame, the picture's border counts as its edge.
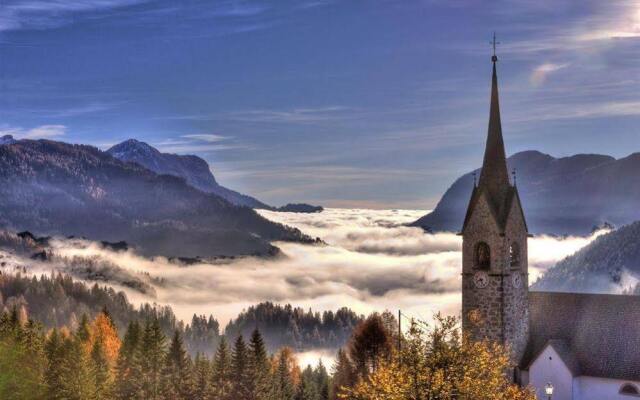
(221, 372)
(83, 333)
(127, 383)
(77, 380)
(176, 377)
(149, 360)
(307, 389)
(259, 367)
(201, 378)
(53, 372)
(22, 360)
(284, 388)
(322, 381)
(240, 371)
(343, 375)
(100, 371)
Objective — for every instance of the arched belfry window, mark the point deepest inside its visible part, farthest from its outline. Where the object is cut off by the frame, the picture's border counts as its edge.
(630, 389)
(514, 255)
(482, 256)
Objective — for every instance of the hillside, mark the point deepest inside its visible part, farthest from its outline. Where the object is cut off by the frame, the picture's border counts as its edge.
(55, 188)
(192, 168)
(566, 195)
(58, 301)
(611, 263)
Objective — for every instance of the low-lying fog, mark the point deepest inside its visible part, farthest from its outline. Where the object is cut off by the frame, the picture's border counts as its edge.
(371, 262)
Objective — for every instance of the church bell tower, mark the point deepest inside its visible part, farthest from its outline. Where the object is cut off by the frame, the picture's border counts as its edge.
(495, 304)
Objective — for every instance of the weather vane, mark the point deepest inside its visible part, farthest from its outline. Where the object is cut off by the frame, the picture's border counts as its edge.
(494, 58)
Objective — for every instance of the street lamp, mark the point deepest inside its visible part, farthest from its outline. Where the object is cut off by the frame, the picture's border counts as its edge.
(548, 390)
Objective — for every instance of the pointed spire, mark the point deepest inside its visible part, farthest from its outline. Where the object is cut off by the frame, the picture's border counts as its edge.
(494, 175)
(494, 184)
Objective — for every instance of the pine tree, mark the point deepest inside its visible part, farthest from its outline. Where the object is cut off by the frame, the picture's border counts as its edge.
(83, 333)
(307, 389)
(284, 388)
(201, 378)
(127, 384)
(343, 374)
(176, 377)
(240, 371)
(53, 372)
(100, 371)
(22, 359)
(258, 366)
(77, 381)
(149, 360)
(221, 371)
(322, 381)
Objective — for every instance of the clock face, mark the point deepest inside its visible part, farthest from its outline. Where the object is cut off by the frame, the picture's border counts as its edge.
(516, 279)
(481, 279)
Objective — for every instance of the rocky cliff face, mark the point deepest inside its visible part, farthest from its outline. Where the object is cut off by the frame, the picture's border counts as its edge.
(193, 169)
(57, 188)
(566, 195)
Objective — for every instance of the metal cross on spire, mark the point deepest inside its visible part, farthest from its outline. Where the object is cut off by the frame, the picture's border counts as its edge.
(494, 58)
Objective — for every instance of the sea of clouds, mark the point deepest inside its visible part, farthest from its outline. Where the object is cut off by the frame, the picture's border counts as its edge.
(371, 262)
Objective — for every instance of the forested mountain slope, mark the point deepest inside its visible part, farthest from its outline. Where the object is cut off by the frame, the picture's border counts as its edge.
(611, 263)
(56, 188)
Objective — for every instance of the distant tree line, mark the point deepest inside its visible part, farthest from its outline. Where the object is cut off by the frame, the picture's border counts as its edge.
(294, 327)
(58, 301)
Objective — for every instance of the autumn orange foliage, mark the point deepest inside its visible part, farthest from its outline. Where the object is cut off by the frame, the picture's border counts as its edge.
(102, 328)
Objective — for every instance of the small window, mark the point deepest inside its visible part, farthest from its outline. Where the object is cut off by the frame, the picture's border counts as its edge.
(483, 256)
(514, 255)
(630, 390)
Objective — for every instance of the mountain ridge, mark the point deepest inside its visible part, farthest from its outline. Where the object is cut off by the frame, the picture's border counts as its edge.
(192, 168)
(566, 195)
(56, 188)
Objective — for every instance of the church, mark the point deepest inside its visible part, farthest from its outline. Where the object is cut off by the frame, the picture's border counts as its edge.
(583, 346)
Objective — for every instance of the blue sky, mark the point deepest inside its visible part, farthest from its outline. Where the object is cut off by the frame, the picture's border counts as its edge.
(368, 103)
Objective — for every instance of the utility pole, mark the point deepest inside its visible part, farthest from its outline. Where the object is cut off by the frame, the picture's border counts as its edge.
(399, 331)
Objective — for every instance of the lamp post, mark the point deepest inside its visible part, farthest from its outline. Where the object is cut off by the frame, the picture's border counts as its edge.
(548, 390)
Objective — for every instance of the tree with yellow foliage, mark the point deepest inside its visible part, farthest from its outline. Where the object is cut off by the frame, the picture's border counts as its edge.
(437, 363)
(102, 329)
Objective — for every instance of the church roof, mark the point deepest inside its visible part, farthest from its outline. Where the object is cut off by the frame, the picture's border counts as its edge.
(597, 334)
(494, 177)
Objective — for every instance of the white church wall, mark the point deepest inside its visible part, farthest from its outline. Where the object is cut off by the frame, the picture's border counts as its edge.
(590, 388)
(549, 368)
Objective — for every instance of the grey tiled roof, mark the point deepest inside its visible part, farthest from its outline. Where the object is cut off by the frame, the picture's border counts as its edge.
(598, 334)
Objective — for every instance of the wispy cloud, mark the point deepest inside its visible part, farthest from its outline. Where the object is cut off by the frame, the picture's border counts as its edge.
(541, 72)
(209, 138)
(83, 109)
(39, 132)
(578, 111)
(46, 14)
(295, 115)
(196, 143)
